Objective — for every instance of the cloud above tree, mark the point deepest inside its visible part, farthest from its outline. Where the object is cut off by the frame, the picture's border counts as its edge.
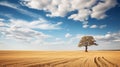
(60, 8)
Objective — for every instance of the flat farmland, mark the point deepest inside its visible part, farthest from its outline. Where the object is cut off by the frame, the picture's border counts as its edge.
(59, 59)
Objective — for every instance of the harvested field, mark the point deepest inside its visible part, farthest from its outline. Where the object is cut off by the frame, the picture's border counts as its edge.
(59, 59)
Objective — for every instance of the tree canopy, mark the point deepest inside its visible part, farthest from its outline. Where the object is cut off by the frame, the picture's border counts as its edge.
(87, 41)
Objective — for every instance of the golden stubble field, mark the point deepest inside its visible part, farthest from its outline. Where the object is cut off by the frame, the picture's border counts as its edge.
(59, 59)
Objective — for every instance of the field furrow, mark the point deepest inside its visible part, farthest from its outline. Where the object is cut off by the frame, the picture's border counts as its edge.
(60, 59)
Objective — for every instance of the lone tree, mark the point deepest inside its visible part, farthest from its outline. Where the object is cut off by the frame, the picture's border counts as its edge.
(87, 41)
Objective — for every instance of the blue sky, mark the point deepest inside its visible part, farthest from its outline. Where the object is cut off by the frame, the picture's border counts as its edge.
(58, 24)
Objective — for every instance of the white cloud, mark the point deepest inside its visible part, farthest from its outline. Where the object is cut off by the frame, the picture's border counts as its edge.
(100, 9)
(93, 26)
(82, 15)
(23, 30)
(67, 35)
(57, 39)
(16, 7)
(85, 8)
(2, 24)
(107, 41)
(25, 34)
(109, 37)
(102, 26)
(22, 34)
(1, 19)
(40, 24)
(85, 26)
(40, 40)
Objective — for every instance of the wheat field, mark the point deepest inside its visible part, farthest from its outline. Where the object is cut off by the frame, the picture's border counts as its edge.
(59, 59)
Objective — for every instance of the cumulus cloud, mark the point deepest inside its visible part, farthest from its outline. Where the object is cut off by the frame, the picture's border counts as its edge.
(1, 24)
(67, 35)
(24, 34)
(24, 30)
(82, 15)
(109, 37)
(93, 26)
(106, 41)
(85, 8)
(85, 26)
(1, 19)
(99, 10)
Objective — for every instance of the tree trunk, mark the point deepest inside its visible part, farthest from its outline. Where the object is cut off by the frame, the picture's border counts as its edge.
(86, 47)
